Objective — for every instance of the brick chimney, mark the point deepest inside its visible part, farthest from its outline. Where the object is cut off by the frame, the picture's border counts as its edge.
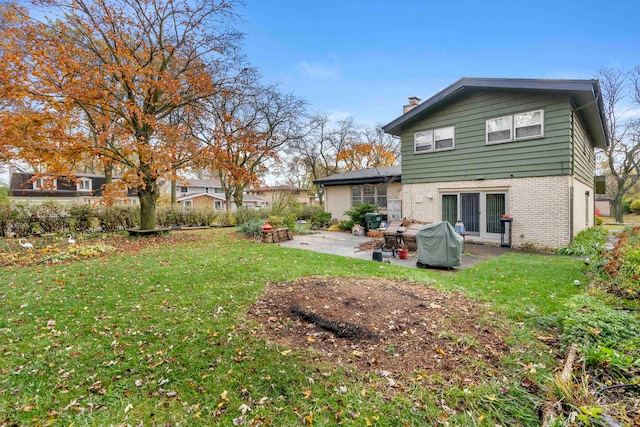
(413, 103)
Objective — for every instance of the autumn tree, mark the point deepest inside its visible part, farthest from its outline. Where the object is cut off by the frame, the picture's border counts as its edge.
(113, 68)
(621, 159)
(248, 127)
(329, 147)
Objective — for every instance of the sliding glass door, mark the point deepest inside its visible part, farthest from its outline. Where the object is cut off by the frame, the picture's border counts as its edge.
(479, 211)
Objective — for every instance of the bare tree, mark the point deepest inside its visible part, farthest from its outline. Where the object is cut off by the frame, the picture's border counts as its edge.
(247, 126)
(621, 159)
(317, 149)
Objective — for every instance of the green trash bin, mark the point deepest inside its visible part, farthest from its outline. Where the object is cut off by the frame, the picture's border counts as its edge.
(373, 220)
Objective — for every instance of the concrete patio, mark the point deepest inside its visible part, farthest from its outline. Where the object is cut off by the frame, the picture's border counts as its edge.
(346, 244)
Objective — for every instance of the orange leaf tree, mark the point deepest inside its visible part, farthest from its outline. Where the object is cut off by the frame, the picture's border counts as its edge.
(103, 80)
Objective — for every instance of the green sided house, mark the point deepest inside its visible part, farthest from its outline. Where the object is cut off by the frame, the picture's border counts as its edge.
(484, 148)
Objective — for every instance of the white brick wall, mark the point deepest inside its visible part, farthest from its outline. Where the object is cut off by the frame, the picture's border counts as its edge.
(337, 200)
(539, 207)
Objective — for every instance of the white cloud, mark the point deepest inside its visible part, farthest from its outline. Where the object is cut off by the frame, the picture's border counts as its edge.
(318, 71)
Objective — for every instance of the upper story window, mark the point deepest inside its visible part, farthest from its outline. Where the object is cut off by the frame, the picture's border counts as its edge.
(84, 184)
(217, 189)
(528, 125)
(434, 140)
(518, 126)
(184, 189)
(45, 184)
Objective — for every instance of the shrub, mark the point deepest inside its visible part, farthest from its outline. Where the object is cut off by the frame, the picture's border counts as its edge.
(308, 212)
(626, 205)
(49, 217)
(119, 217)
(4, 196)
(346, 225)
(321, 220)
(81, 218)
(598, 221)
(588, 242)
(276, 221)
(251, 229)
(358, 211)
(635, 206)
(243, 214)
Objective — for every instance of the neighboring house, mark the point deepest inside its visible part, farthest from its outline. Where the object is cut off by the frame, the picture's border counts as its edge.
(199, 193)
(483, 148)
(604, 206)
(270, 195)
(217, 202)
(85, 189)
(380, 186)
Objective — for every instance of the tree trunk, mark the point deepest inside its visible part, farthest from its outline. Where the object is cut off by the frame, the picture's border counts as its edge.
(617, 207)
(108, 173)
(148, 197)
(238, 196)
(173, 193)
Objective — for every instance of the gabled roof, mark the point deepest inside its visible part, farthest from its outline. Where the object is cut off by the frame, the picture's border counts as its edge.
(363, 176)
(189, 182)
(586, 95)
(196, 195)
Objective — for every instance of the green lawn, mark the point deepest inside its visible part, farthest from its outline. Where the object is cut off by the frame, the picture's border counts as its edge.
(155, 338)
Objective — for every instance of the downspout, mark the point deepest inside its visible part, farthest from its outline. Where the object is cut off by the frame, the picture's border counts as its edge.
(572, 166)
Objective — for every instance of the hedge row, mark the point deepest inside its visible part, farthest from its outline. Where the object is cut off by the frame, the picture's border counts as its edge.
(22, 220)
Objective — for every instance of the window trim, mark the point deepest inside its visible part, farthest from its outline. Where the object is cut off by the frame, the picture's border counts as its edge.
(486, 130)
(513, 129)
(82, 181)
(434, 141)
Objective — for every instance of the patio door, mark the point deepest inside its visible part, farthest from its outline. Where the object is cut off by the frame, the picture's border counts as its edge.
(479, 211)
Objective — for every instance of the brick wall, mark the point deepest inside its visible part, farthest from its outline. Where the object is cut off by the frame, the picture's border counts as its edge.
(540, 207)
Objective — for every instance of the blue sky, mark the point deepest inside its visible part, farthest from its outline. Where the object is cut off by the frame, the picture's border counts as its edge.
(365, 58)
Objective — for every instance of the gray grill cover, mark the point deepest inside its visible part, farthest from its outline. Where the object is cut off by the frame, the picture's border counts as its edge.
(439, 245)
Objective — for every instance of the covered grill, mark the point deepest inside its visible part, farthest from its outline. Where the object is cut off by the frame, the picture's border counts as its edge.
(439, 245)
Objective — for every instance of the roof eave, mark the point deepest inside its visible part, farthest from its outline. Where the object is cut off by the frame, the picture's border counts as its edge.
(575, 86)
(355, 181)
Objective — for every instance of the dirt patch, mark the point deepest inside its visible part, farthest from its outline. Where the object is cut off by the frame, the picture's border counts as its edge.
(382, 325)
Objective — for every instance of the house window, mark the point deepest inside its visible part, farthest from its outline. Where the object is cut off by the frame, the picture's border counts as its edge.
(45, 184)
(423, 141)
(528, 125)
(187, 205)
(217, 205)
(184, 189)
(499, 129)
(217, 190)
(443, 138)
(434, 140)
(84, 184)
(375, 194)
(516, 127)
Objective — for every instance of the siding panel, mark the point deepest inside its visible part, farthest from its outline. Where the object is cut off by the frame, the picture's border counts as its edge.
(473, 158)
